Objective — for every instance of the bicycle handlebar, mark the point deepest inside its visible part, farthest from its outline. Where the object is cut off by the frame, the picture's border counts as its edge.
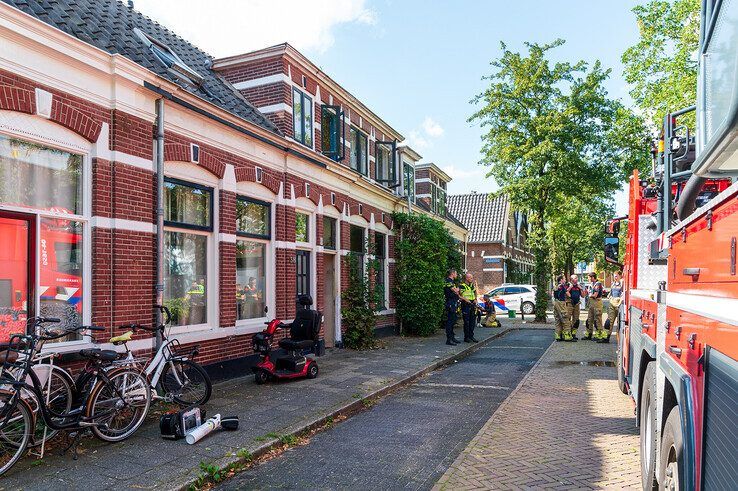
(49, 334)
(136, 327)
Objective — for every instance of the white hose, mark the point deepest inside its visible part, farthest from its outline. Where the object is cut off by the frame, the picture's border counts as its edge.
(201, 431)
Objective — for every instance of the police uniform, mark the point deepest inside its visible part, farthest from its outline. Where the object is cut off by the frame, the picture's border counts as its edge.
(452, 304)
(468, 309)
(613, 309)
(573, 300)
(594, 312)
(560, 312)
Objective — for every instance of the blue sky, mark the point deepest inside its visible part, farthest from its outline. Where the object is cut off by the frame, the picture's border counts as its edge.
(415, 63)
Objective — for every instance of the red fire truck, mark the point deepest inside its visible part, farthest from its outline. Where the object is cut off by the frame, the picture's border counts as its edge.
(678, 333)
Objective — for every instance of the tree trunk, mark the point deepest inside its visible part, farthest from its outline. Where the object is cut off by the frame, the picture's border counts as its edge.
(541, 273)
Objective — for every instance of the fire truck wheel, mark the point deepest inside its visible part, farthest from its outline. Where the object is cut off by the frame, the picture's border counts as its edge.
(671, 468)
(619, 368)
(648, 428)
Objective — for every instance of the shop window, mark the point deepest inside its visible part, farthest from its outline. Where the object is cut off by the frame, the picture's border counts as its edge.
(332, 132)
(187, 205)
(302, 227)
(302, 117)
(359, 150)
(329, 233)
(35, 176)
(250, 279)
(253, 218)
(380, 255)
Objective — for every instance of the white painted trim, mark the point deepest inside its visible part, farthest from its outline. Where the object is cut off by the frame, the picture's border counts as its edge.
(386, 312)
(123, 224)
(229, 238)
(273, 108)
(228, 183)
(258, 82)
(43, 103)
(280, 244)
(492, 269)
(423, 179)
(717, 308)
(132, 160)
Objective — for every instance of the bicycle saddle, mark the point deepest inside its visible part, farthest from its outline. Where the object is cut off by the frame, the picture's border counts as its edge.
(8, 356)
(123, 338)
(98, 354)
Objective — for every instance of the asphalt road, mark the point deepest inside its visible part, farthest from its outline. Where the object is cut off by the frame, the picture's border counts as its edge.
(410, 438)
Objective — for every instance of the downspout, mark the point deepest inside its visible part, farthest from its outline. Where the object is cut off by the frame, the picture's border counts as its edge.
(159, 216)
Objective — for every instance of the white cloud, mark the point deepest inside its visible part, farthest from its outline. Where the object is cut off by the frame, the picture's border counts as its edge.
(432, 128)
(457, 173)
(416, 141)
(228, 27)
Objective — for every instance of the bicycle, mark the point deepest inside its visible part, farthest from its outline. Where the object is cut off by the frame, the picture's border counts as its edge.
(113, 409)
(173, 371)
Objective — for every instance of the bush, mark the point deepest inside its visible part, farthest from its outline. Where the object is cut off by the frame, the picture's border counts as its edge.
(424, 251)
(359, 304)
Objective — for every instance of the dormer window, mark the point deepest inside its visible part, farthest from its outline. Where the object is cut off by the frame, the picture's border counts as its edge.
(169, 59)
(302, 117)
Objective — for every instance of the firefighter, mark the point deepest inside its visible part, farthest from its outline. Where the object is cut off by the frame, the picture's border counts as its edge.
(613, 309)
(594, 310)
(561, 315)
(573, 298)
(468, 292)
(451, 292)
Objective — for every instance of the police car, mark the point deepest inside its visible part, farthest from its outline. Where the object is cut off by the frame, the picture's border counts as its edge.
(520, 298)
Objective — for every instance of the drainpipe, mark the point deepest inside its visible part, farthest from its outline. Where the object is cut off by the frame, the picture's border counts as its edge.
(159, 215)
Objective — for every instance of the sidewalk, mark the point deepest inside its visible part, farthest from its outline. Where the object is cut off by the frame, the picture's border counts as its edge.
(567, 426)
(146, 461)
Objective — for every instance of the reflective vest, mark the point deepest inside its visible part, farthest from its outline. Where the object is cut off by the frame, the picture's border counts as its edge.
(467, 291)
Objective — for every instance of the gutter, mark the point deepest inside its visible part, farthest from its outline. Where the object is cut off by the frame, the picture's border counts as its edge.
(159, 216)
(171, 97)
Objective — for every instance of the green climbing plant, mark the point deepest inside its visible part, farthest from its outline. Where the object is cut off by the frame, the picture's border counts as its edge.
(424, 251)
(360, 302)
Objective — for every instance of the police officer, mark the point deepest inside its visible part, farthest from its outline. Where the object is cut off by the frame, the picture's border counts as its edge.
(594, 310)
(452, 304)
(468, 292)
(613, 308)
(573, 298)
(561, 315)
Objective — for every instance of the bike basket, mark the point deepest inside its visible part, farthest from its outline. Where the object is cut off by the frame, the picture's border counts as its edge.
(179, 351)
(17, 352)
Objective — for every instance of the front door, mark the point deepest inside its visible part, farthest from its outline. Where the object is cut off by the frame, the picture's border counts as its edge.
(329, 304)
(17, 238)
(302, 272)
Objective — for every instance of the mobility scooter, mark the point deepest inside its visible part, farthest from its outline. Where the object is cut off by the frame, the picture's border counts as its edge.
(290, 361)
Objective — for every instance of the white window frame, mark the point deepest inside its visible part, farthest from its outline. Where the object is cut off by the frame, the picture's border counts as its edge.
(306, 207)
(66, 144)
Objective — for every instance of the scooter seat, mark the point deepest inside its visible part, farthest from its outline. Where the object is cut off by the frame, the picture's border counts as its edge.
(291, 344)
(99, 354)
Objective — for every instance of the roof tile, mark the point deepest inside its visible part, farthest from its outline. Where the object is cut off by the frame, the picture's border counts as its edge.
(485, 217)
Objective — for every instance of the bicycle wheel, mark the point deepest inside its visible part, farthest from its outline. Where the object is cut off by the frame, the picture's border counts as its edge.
(16, 428)
(118, 406)
(58, 389)
(187, 382)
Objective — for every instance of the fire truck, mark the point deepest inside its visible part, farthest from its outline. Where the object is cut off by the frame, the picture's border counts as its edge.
(678, 334)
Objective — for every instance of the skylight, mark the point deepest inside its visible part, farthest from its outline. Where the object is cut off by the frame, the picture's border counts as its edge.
(170, 59)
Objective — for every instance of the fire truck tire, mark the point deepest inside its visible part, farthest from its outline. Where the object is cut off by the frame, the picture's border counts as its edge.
(648, 428)
(671, 467)
(619, 367)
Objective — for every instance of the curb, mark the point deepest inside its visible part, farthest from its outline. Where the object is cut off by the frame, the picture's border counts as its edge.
(443, 480)
(353, 407)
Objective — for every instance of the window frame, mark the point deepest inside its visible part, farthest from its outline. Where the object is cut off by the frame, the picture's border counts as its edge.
(390, 147)
(339, 153)
(191, 226)
(408, 171)
(250, 235)
(303, 97)
(268, 264)
(308, 219)
(333, 247)
(383, 269)
(364, 171)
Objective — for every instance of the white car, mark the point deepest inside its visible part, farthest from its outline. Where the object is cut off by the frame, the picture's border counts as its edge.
(520, 298)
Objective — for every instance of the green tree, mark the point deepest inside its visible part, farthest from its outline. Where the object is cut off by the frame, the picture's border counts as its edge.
(662, 66)
(549, 133)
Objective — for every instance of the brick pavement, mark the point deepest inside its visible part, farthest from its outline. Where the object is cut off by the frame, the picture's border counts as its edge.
(567, 426)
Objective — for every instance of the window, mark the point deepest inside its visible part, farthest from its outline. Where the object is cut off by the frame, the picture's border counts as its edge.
(302, 117)
(380, 254)
(329, 233)
(36, 176)
(253, 218)
(514, 290)
(441, 202)
(438, 200)
(185, 277)
(250, 279)
(42, 181)
(359, 150)
(385, 154)
(332, 132)
(409, 180)
(357, 244)
(169, 59)
(302, 227)
(187, 205)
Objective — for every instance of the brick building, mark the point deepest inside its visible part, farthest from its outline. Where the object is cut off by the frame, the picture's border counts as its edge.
(272, 171)
(497, 251)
